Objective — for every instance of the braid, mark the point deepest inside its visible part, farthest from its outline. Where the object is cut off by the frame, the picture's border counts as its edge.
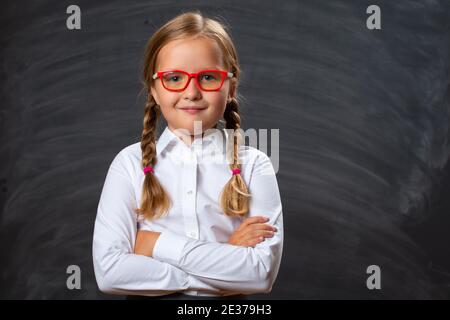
(235, 197)
(148, 137)
(155, 200)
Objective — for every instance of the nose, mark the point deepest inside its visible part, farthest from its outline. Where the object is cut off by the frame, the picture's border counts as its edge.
(192, 92)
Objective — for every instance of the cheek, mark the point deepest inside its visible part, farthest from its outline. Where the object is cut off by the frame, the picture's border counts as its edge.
(217, 103)
(218, 99)
(167, 99)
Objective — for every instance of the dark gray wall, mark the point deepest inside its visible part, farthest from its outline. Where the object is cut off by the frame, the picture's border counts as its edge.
(364, 128)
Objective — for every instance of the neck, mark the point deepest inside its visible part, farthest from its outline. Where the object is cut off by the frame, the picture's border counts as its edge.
(186, 138)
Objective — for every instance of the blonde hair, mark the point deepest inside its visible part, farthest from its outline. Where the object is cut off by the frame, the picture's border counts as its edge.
(234, 198)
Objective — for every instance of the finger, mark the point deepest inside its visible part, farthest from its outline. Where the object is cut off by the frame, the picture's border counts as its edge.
(265, 233)
(261, 226)
(257, 234)
(254, 219)
(253, 242)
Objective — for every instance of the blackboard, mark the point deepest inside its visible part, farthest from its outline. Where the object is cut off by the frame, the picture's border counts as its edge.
(364, 136)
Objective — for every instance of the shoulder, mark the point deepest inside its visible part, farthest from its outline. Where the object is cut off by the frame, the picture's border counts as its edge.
(257, 160)
(128, 160)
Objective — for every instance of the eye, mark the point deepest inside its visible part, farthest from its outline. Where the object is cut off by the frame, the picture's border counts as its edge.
(208, 76)
(172, 77)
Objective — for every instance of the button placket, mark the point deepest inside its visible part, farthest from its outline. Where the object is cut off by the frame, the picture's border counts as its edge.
(189, 195)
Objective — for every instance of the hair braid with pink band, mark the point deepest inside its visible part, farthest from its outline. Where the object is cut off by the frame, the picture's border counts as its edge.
(150, 169)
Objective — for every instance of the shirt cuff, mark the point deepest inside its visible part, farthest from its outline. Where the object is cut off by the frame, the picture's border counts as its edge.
(169, 247)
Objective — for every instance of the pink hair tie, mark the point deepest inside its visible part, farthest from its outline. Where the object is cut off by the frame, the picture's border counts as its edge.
(236, 171)
(148, 169)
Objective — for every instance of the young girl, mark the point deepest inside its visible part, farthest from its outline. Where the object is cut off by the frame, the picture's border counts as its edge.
(193, 213)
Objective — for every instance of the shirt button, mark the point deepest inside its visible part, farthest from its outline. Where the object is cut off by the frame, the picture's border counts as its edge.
(193, 234)
(189, 192)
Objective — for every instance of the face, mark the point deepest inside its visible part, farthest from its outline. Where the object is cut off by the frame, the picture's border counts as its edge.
(191, 55)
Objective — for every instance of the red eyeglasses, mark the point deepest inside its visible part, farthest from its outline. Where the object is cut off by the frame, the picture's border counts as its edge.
(207, 80)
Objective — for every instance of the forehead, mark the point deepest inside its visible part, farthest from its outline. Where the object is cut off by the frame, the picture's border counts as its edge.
(191, 54)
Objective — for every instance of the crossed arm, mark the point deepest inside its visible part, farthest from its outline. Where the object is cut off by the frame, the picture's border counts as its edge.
(175, 262)
(250, 233)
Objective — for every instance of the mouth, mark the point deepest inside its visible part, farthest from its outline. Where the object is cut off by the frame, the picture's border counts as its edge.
(192, 109)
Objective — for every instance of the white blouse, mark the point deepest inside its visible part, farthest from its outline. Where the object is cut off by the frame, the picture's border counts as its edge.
(191, 254)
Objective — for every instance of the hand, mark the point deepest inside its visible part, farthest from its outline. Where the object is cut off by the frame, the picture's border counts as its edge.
(251, 232)
(145, 241)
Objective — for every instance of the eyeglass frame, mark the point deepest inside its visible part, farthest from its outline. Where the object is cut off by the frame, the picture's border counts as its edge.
(225, 75)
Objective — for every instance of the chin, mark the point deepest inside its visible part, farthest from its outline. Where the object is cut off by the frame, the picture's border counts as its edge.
(205, 125)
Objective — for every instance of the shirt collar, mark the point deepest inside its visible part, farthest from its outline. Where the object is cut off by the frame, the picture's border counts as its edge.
(216, 137)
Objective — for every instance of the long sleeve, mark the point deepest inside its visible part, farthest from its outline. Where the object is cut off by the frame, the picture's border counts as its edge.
(117, 269)
(228, 267)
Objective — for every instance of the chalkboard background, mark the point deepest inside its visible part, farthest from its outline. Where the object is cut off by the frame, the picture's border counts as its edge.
(364, 136)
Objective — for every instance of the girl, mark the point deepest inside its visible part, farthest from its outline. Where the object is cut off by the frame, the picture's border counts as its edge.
(193, 213)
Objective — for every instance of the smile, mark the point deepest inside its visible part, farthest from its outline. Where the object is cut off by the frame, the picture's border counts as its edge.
(193, 110)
